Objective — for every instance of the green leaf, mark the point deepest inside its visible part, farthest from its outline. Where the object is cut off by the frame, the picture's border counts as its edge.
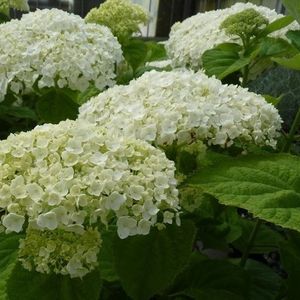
(223, 60)
(25, 285)
(282, 83)
(148, 264)
(204, 277)
(90, 92)
(291, 63)
(264, 283)
(155, 51)
(9, 245)
(273, 47)
(273, 100)
(135, 52)
(294, 37)
(223, 280)
(277, 25)
(293, 8)
(56, 106)
(290, 258)
(106, 259)
(266, 240)
(18, 112)
(268, 186)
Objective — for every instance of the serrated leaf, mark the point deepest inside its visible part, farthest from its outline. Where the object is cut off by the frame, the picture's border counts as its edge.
(293, 8)
(148, 264)
(25, 285)
(268, 186)
(9, 245)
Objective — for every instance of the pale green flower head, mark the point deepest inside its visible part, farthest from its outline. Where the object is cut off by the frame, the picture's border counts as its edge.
(246, 23)
(61, 252)
(121, 16)
(5, 5)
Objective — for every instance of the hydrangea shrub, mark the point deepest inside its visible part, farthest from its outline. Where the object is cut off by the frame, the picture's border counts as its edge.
(191, 38)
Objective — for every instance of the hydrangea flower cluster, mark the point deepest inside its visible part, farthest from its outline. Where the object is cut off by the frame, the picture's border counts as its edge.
(55, 48)
(68, 177)
(5, 5)
(191, 38)
(60, 252)
(121, 16)
(182, 106)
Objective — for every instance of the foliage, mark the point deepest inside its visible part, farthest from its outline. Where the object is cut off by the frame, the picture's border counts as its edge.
(280, 83)
(171, 186)
(256, 48)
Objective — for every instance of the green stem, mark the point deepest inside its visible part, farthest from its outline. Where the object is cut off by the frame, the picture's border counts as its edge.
(250, 243)
(245, 76)
(290, 138)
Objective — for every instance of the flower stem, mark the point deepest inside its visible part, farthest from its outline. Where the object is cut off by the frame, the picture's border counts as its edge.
(250, 243)
(290, 138)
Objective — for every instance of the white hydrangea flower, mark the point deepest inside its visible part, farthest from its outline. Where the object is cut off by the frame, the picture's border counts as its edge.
(182, 106)
(54, 48)
(191, 38)
(60, 252)
(84, 176)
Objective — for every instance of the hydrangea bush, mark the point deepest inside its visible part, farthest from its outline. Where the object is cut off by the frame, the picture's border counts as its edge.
(52, 48)
(89, 209)
(183, 106)
(191, 38)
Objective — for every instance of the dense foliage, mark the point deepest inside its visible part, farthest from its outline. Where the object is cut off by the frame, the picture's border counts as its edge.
(171, 184)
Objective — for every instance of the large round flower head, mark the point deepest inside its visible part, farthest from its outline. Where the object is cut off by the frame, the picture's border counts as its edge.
(182, 106)
(191, 38)
(121, 16)
(54, 48)
(71, 175)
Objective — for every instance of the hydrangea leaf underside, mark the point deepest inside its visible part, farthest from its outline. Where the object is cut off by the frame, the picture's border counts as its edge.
(148, 264)
(267, 186)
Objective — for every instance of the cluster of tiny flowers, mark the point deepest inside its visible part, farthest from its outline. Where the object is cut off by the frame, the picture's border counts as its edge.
(121, 16)
(68, 175)
(181, 106)
(56, 49)
(60, 251)
(191, 38)
(5, 5)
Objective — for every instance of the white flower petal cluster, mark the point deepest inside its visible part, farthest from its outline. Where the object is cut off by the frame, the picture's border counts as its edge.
(191, 38)
(60, 252)
(54, 48)
(71, 175)
(182, 106)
